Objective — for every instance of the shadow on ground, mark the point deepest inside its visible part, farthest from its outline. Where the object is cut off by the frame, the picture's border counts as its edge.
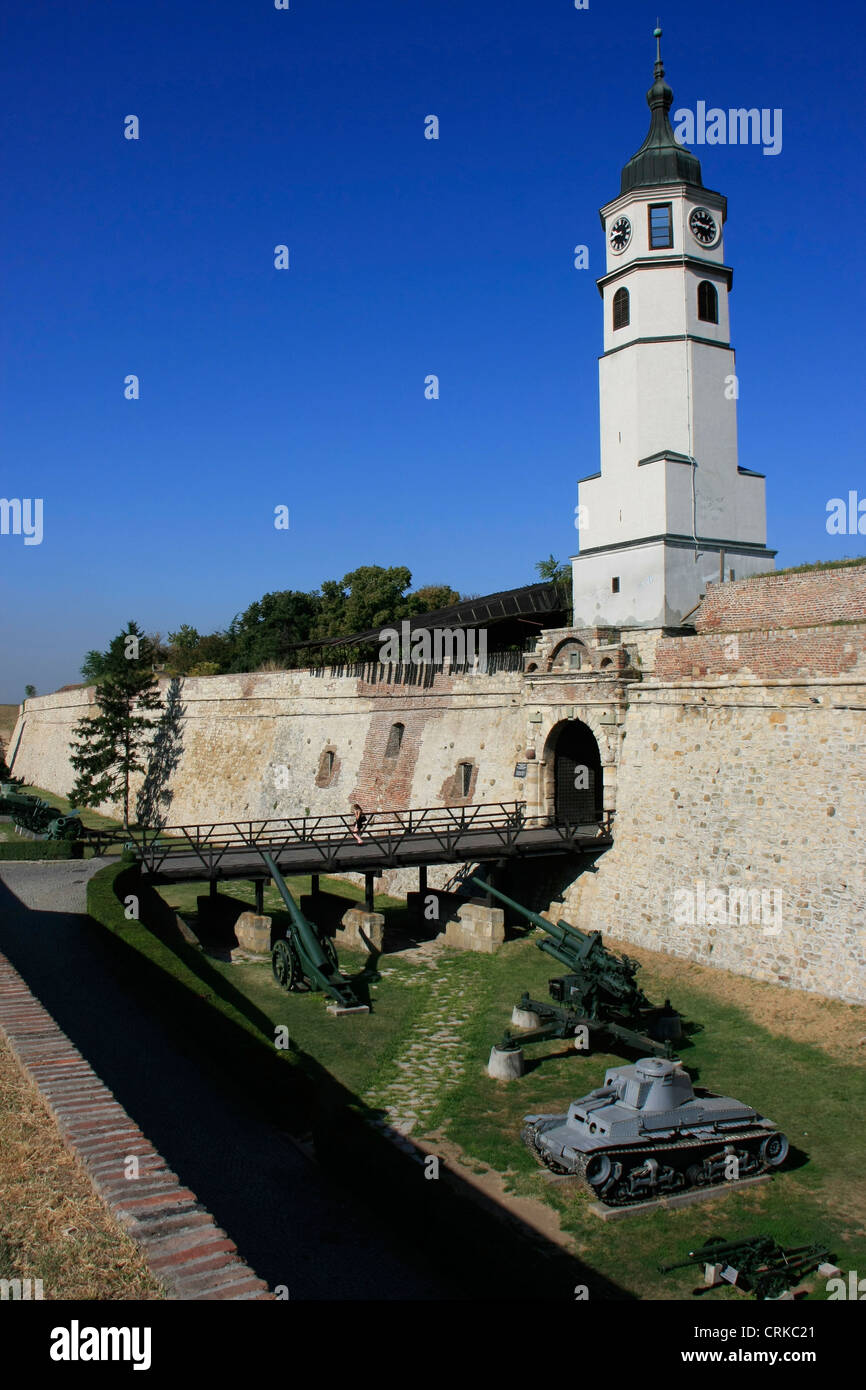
(295, 1223)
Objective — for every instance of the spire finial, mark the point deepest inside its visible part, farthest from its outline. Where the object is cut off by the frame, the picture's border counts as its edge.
(657, 35)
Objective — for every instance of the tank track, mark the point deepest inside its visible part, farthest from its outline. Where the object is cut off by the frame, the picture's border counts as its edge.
(667, 1154)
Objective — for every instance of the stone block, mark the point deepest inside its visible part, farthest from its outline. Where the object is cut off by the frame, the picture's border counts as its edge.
(506, 1064)
(356, 925)
(477, 928)
(254, 933)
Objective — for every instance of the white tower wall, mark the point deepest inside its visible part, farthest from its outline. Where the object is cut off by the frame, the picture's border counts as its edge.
(669, 487)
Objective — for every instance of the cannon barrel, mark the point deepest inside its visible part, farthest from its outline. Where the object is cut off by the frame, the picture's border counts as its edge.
(750, 1245)
(308, 938)
(561, 931)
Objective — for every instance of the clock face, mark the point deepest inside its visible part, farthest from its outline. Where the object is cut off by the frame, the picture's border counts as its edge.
(620, 235)
(703, 227)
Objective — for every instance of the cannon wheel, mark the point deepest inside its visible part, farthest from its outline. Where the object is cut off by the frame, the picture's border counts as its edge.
(286, 966)
(330, 951)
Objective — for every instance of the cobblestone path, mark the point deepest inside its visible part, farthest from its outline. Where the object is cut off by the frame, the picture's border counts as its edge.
(433, 1058)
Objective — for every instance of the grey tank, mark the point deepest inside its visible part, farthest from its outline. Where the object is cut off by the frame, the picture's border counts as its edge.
(646, 1132)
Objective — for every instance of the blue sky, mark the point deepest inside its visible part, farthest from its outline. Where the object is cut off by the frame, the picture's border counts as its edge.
(408, 256)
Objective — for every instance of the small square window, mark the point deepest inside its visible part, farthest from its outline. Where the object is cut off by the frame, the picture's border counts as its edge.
(614, 584)
(465, 778)
(661, 231)
(395, 740)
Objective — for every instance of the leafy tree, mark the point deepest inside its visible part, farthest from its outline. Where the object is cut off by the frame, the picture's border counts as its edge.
(267, 630)
(29, 692)
(552, 571)
(109, 747)
(369, 597)
(430, 597)
(159, 651)
(182, 650)
(189, 651)
(215, 649)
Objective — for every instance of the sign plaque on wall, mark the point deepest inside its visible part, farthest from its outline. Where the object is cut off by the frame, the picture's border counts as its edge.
(520, 770)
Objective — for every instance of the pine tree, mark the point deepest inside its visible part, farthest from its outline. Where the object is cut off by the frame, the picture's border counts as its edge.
(109, 747)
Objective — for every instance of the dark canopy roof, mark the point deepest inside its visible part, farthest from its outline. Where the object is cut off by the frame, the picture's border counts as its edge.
(533, 600)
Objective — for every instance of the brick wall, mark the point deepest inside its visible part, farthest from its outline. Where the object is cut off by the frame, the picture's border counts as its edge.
(785, 600)
(768, 655)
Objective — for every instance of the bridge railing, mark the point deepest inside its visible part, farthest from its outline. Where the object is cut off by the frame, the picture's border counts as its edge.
(388, 830)
(304, 830)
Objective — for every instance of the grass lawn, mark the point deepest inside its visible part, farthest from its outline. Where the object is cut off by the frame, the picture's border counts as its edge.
(89, 818)
(796, 1057)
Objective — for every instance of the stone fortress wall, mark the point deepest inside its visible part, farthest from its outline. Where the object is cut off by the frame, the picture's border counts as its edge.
(733, 760)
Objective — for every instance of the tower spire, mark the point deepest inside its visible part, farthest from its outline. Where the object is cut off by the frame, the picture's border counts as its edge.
(660, 159)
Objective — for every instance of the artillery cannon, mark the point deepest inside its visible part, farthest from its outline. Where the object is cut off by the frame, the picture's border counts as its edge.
(38, 816)
(599, 993)
(757, 1264)
(306, 959)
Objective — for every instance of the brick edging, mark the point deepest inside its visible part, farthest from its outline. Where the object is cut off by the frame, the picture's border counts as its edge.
(183, 1246)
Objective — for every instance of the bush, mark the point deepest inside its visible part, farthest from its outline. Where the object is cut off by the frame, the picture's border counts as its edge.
(40, 849)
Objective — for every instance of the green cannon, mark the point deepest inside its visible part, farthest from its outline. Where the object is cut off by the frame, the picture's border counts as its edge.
(599, 994)
(306, 959)
(38, 816)
(757, 1264)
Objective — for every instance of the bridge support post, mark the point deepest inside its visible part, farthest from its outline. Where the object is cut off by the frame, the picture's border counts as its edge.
(260, 896)
(213, 888)
(314, 884)
(369, 893)
(422, 878)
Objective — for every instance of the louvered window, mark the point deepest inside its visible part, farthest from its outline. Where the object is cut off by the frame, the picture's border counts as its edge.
(621, 309)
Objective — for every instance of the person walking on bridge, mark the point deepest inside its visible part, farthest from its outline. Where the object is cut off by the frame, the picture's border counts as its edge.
(359, 822)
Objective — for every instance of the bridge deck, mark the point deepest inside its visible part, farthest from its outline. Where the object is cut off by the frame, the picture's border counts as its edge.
(390, 840)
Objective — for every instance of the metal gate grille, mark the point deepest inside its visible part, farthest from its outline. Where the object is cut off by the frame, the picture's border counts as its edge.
(578, 786)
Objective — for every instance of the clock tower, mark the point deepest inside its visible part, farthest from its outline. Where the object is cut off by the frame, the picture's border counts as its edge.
(670, 510)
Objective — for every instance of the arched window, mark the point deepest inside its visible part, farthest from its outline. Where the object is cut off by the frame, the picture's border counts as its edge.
(708, 302)
(620, 309)
(395, 739)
